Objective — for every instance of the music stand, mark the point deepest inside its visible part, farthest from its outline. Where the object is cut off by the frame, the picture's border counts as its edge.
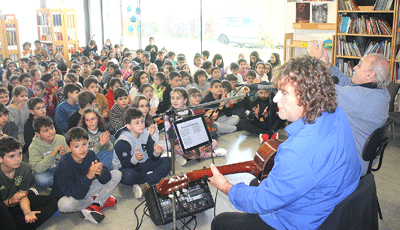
(192, 133)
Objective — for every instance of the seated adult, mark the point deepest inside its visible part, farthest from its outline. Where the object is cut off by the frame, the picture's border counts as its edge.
(364, 98)
(315, 168)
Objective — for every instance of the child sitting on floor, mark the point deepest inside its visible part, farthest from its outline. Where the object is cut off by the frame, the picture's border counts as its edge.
(80, 180)
(179, 99)
(28, 209)
(99, 137)
(137, 156)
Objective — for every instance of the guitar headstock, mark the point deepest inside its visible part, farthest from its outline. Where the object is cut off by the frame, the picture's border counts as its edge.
(168, 185)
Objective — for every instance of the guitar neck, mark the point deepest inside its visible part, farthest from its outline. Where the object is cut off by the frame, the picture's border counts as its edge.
(247, 166)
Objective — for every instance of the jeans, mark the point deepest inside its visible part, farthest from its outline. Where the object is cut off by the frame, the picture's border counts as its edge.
(138, 175)
(44, 179)
(106, 157)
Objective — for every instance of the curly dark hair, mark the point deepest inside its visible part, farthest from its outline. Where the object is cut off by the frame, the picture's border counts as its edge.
(313, 85)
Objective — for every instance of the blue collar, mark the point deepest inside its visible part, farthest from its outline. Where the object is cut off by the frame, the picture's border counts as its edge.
(295, 127)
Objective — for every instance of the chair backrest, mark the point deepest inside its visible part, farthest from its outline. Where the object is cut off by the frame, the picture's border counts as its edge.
(393, 88)
(376, 144)
(357, 211)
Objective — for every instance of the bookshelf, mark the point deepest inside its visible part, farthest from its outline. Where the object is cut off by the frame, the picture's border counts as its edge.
(57, 31)
(9, 38)
(368, 26)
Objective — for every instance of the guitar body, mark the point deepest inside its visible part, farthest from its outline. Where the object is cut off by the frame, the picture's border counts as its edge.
(265, 155)
(259, 167)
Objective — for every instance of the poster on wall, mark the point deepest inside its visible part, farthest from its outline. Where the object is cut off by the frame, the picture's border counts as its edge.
(319, 13)
(302, 12)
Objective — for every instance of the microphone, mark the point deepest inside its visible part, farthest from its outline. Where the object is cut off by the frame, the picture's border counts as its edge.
(260, 86)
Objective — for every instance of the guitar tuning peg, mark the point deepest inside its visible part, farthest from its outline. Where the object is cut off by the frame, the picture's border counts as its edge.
(178, 193)
(184, 190)
(171, 196)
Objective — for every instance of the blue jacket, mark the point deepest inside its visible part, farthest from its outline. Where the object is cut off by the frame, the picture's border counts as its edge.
(70, 178)
(366, 109)
(314, 169)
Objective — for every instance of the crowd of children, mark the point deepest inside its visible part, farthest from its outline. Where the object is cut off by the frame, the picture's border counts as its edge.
(87, 126)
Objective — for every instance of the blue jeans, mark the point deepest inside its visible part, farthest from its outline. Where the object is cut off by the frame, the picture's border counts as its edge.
(138, 175)
(44, 179)
(106, 157)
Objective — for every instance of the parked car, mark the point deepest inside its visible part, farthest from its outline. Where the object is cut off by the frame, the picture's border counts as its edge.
(239, 30)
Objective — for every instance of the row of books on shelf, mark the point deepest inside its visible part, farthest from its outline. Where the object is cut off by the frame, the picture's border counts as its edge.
(44, 19)
(355, 49)
(11, 34)
(348, 5)
(364, 25)
(13, 57)
(70, 20)
(345, 67)
(383, 4)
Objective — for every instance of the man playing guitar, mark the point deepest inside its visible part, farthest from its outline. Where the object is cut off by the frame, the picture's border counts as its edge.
(314, 169)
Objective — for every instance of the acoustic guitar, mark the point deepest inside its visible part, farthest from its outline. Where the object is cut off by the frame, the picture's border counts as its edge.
(259, 167)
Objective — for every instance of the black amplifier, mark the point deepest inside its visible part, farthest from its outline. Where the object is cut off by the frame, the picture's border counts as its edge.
(195, 198)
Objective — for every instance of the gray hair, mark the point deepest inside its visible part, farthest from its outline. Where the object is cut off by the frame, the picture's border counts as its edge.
(381, 67)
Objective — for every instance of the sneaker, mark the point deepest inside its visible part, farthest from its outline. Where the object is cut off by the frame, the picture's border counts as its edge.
(180, 159)
(263, 138)
(219, 152)
(275, 135)
(34, 191)
(111, 202)
(140, 189)
(92, 214)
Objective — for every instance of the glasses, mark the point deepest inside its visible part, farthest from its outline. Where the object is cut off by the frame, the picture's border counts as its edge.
(196, 95)
(91, 119)
(40, 108)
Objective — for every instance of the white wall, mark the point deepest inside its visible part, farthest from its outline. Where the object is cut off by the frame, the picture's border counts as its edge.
(95, 23)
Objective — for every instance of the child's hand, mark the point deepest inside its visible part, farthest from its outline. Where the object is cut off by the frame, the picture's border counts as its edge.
(152, 129)
(19, 106)
(62, 151)
(138, 155)
(215, 115)
(208, 113)
(99, 167)
(104, 138)
(30, 217)
(257, 80)
(265, 113)
(256, 110)
(92, 171)
(54, 90)
(55, 150)
(245, 90)
(158, 148)
(153, 111)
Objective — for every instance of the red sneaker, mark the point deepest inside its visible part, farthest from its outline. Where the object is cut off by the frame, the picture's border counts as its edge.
(275, 135)
(111, 201)
(264, 138)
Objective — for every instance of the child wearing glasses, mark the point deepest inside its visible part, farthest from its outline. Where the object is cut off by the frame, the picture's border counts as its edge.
(99, 137)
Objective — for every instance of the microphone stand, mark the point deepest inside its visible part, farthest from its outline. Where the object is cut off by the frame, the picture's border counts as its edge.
(171, 113)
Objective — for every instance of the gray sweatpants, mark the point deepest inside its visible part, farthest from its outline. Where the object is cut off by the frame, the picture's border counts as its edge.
(102, 191)
(227, 124)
